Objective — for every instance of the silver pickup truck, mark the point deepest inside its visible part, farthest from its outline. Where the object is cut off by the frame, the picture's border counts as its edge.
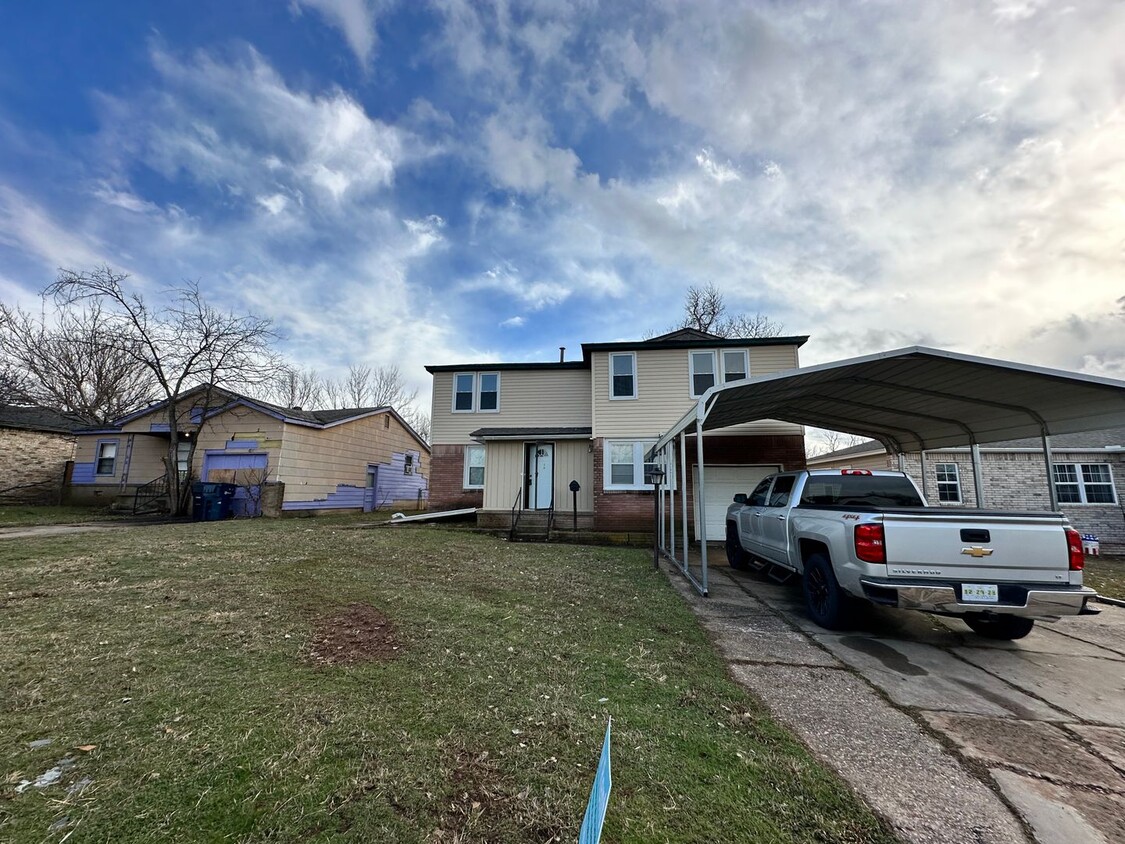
(861, 534)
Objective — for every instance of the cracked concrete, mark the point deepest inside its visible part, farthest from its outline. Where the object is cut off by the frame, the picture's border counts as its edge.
(951, 737)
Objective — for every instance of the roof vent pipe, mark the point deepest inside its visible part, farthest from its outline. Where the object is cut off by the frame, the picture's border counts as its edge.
(562, 354)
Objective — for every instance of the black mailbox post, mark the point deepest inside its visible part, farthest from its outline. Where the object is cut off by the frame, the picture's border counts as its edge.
(574, 487)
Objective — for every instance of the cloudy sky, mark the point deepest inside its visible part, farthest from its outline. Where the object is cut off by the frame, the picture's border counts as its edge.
(419, 183)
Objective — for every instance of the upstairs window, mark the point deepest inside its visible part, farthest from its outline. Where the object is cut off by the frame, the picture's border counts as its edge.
(702, 373)
(623, 376)
(1084, 483)
(710, 368)
(463, 392)
(948, 483)
(489, 391)
(106, 459)
(736, 365)
(476, 392)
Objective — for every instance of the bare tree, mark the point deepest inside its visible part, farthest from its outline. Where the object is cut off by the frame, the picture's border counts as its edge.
(357, 385)
(73, 361)
(293, 387)
(823, 441)
(705, 310)
(185, 343)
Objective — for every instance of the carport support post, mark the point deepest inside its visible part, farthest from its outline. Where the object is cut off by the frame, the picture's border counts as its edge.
(701, 498)
(684, 497)
(978, 481)
(922, 456)
(1051, 491)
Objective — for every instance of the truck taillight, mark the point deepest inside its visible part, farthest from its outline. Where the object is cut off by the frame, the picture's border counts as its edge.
(869, 545)
(1074, 550)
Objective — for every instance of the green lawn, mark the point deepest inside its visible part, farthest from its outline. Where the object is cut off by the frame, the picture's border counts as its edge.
(17, 515)
(1107, 575)
(202, 664)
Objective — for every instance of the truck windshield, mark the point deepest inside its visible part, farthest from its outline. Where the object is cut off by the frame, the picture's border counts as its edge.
(860, 490)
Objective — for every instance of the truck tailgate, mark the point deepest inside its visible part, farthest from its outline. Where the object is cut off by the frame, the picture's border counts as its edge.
(987, 547)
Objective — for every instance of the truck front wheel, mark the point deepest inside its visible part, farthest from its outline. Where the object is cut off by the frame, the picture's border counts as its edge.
(1006, 627)
(825, 601)
(736, 554)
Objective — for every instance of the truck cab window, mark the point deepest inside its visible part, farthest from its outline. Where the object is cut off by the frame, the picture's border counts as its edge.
(782, 487)
(758, 496)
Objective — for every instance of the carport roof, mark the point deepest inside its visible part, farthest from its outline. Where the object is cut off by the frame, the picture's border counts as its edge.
(918, 398)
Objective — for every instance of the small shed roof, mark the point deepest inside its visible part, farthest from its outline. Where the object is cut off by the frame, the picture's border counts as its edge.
(918, 398)
(565, 433)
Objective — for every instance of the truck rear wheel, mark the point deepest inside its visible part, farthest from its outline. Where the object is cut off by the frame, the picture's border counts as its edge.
(826, 603)
(1005, 627)
(736, 554)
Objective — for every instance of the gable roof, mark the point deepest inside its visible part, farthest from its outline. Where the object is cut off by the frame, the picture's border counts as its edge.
(39, 419)
(292, 415)
(690, 338)
(692, 334)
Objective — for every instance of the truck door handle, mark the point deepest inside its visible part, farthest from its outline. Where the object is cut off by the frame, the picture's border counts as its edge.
(780, 518)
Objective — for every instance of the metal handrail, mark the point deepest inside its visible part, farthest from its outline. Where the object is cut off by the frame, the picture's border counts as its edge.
(550, 517)
(515, 515)
(154, 490)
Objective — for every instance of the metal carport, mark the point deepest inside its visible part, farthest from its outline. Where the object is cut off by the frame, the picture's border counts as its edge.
(910, 399)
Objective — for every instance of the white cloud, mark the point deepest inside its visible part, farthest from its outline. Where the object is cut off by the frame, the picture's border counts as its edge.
(356, 20)
(512, 322)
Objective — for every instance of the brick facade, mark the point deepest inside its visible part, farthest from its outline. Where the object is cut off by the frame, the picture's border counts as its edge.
(32, 466)
(447, 480)
(619, 510)
(1018, 481)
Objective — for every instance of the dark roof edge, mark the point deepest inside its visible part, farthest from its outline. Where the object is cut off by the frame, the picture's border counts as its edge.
(504, 367)
(735, 342)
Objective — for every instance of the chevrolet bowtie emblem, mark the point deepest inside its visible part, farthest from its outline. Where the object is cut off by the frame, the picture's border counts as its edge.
(977, 552)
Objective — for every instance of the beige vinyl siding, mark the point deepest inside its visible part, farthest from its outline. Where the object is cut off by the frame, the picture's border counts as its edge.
(504, 474)
(144, 464)
(314, 461)
(240, 423)
(528, 398)
(664, 393)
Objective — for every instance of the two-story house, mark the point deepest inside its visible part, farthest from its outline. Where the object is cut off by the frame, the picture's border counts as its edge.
(521, 435)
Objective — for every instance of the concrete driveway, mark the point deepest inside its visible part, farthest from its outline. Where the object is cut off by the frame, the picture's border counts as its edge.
(950, 736)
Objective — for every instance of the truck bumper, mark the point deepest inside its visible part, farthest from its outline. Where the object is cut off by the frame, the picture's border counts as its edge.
(1032, 600)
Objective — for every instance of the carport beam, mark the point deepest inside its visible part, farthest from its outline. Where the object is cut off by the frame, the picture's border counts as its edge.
(1051, 491)
(684, 496)
(702, 499)
(922, 456)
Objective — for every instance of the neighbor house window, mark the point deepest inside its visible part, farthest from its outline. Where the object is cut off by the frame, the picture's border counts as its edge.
(623, 376)
(625, 466)
(107, 457)
(710, 368)
(948, 483)
(474, 467)
(408, 465)
(476, 392)
(1084, 483)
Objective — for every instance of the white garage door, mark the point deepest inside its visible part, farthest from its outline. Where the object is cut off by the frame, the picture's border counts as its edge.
(723, 483)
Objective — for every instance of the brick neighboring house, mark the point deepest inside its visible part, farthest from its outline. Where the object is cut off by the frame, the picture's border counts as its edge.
(35, 445)
(360, 458)
(516, 435)
(1089, 477)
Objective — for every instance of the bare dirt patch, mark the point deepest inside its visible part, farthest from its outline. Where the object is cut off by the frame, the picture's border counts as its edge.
(355, 634)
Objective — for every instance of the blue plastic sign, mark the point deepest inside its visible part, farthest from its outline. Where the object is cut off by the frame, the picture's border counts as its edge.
(599, 797)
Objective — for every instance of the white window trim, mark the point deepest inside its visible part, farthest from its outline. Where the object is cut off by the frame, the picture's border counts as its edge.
(465, 460)
(718, 366)
(1081, 483)
(613, 355)
(956, 480)
(476, 408)
(640, 448)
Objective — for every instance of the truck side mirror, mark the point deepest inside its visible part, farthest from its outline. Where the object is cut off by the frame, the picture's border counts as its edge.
(740, 498)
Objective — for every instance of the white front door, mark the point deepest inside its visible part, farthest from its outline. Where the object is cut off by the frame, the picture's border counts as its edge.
(540, 475)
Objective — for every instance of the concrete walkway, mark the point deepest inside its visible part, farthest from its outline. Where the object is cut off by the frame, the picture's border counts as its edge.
(951, 737)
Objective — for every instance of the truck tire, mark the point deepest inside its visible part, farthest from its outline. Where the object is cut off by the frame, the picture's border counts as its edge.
(826, 603)
(1006, 627)
(736, 554)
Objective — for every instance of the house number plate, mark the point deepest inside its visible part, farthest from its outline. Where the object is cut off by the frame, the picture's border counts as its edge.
(982, 593)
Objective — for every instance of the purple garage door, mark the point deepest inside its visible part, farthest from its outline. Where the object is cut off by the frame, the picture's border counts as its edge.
(247, 471)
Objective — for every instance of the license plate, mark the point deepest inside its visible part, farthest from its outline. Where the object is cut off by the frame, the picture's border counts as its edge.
(983, 593)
